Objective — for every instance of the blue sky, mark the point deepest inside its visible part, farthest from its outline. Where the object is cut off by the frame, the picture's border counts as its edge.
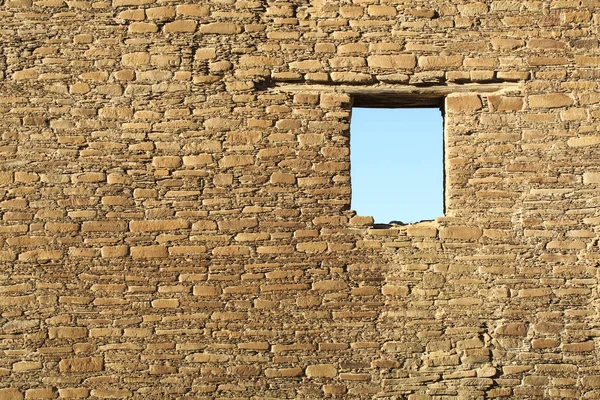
(397, 163)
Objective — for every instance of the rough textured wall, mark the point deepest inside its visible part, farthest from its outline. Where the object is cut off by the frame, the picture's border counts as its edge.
(175, 210)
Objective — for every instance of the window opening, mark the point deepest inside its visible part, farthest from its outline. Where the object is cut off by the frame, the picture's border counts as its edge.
(397, 167)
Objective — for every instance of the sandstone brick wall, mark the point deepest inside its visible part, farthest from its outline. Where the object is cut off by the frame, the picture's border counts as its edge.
(175, 201)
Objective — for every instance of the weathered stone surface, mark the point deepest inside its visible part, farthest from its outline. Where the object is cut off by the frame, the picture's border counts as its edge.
(81, 364)
(176, 200)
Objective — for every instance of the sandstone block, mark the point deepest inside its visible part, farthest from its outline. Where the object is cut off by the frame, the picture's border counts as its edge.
(512, 329)
(73, 393)
(394, 62)
(504, 103)
(236, 161)
(180, 26)
(321, 371)
(104, 226)
(135, 59)
(65, 332)
(554, 100)
(158, 251)
(351, 77)
(437, 62)
(165, 303)
(463, 103)
(473, 9)
(22, 366)
(395, 290)
(164, 12)
(81, 364)
(25, 74)
(591, 178)
(111, 393)
(142, 27)
(220, 28)
(192, 10)
(461, 232)
(283, 372)
(11, 394)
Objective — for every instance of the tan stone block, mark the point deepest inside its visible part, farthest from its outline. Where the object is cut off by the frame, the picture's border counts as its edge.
(104, 226)
(164, 12)
(434, 62)
(199, 159)
(583, 141)
(10, 394)
(473, 9)
(220, 28)
(351, 77)
(395, 62)
(330, 285)
(307, 65)
(463, 103)
(157, 251)
(135, 59)
(238, 224)
(115, 113)
(40, 255)
(553, 100)
(180, 26)
(66, 332)
(284, 249)
(395, 290)
(206, 53)
(421, 230)
(582, 347)
(381, 11)
(312, 247)
(544, 343)
(236, 161)
(25, 74)
(574, 114)
(155, 75)
(73, 393)
(111, 393)
(591, 178)
(504, 103)
(165, 303)
(283, 372)
(134, 15)
(162, 370)
(138, 332)
(166, 161)
(23, 366)
(512, 329)
(246, 370)
(204, 225)
(231, 251)
(114, 251)
(81, 364)
(281, 178)
(336, 389)
(192, 10)
(461, 232)
(507, 44)
(206, 291)
(591, 381)
(142, 27)
(187, 250)
(321, 371)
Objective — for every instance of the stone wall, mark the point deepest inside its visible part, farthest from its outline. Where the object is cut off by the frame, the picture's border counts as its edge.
(175, 201)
